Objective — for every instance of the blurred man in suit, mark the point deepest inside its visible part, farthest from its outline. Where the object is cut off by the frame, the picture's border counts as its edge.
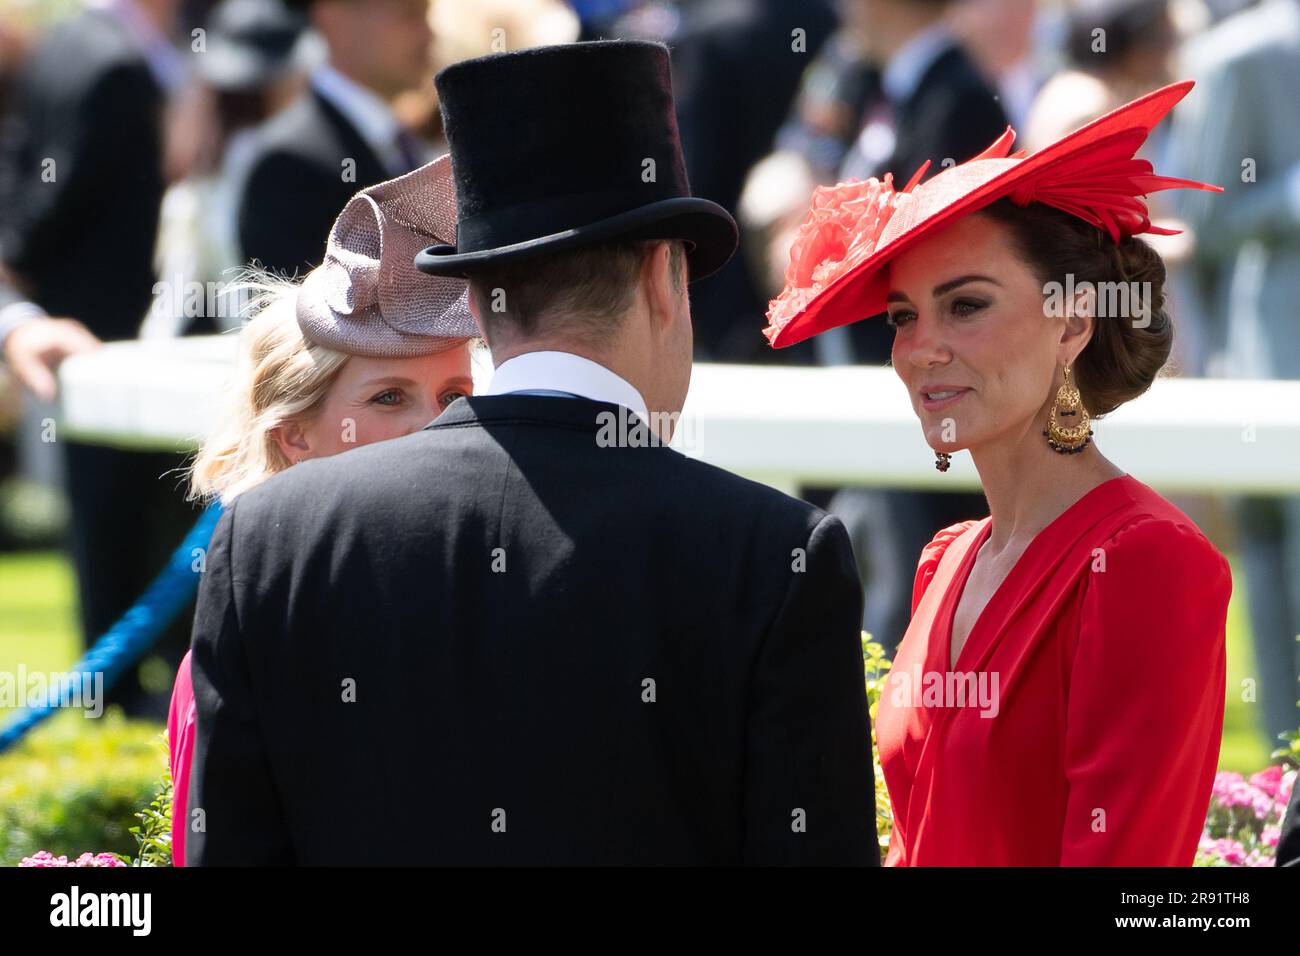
(736, 70)
(341, 135)
(81, 184)
(935, 106)
(1242, 132)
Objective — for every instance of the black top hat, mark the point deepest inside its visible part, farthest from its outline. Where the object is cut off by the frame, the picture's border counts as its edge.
(564, 146)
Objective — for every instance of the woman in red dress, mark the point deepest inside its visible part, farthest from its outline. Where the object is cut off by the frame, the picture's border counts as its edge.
(1058, 696)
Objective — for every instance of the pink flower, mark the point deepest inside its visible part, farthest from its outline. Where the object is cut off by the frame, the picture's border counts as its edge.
(1225, 849)
(1268, 780)
(45, 859)
(1233, 792)
(1223, 781)
(840, 231)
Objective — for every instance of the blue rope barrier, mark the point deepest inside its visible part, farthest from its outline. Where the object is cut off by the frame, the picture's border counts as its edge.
(128, 640)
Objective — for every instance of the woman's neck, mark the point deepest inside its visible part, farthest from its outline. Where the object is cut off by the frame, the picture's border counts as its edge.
(1028, 485)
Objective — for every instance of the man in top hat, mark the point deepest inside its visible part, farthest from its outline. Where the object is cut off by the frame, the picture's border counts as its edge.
(541, 633)
(341, 134)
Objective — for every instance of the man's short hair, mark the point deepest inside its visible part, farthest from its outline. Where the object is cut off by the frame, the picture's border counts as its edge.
(586, 291)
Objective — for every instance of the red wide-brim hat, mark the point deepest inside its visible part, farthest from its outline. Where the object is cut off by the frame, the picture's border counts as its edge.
(854, 229)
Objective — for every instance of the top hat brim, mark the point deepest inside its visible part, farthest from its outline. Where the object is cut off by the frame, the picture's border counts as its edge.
(960, 190)
(709, 231)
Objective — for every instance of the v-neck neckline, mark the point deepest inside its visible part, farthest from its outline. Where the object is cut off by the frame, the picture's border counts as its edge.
(962, 575)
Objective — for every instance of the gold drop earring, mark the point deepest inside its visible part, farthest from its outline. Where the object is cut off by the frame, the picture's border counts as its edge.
(1069, 428)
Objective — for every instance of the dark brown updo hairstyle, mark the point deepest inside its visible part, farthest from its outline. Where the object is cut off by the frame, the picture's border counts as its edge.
(1123, 358)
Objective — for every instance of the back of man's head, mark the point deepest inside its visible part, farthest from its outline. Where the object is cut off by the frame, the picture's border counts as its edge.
(622, 304)
(584, 295)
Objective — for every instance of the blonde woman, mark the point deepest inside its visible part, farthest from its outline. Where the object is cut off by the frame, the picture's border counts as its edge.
(364, 350)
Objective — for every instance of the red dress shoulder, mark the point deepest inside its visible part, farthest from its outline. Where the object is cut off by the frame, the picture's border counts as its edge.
(933, 553)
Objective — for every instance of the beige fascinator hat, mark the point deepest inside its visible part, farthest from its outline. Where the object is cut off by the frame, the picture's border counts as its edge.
(367, 298)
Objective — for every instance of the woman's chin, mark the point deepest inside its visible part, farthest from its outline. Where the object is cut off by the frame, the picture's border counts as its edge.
(936, 442)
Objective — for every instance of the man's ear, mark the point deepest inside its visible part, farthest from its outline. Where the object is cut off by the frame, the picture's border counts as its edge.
(292, 441)
(660, 285)
(476, 311)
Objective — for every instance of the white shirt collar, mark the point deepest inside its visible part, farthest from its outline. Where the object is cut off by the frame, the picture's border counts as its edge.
(907, 66)
(565, 372)
(368, 113)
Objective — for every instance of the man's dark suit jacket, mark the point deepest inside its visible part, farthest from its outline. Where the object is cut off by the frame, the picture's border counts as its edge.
(81, 179)
(560, 653)
(953, 114)
(296, 184)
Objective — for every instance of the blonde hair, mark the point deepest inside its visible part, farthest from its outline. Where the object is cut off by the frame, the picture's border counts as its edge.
(280, 376)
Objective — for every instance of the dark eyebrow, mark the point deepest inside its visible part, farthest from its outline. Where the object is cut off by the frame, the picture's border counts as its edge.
(951, 284)
(942, 287)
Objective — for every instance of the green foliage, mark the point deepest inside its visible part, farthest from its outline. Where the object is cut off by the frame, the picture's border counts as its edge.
(1289, 753)
(153, 836)
(876, 665)
(74, 785)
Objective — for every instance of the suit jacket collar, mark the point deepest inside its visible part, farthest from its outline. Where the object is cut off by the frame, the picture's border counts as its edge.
(370, 166)
(946, 72)
(364, 111)
(914, 61)
(584, 414)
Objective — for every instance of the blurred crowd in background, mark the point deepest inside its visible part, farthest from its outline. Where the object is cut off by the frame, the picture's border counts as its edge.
(150, 145)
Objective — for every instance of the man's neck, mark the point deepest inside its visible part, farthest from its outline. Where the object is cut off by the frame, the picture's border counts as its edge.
(558, 370)
(609, 359)
(900, 30)
(161, 14)
(504, 352)
(354, 76)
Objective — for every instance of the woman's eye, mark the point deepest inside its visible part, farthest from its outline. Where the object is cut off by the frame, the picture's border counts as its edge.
(901, 317)
(391, 397)
(448, 397)
(967, 306)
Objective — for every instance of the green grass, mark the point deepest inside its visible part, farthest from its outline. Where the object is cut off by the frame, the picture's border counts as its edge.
(38, 611)
(38, 627)
(1244, 747)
